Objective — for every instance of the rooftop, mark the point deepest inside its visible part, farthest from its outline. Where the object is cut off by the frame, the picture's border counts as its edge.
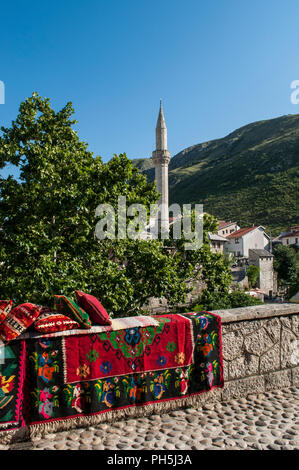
(241, 232)
(223, 224)
(260, 252)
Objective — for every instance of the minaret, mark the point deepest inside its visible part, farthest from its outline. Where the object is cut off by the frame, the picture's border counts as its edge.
(161, 159)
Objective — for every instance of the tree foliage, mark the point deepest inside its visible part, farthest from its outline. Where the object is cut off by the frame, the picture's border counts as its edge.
(47, 219)
(286, 264)
(253, 275)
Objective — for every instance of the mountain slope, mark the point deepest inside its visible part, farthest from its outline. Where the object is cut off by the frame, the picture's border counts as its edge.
(250, 176)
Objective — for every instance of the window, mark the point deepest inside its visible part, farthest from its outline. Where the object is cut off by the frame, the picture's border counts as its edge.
(236, 241)
(287, 240)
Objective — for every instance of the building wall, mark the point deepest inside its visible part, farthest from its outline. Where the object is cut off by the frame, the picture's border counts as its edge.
(266, 277)
(223, 232)
(290, 240)
(254, 239)
(236, 248)
(217, 247)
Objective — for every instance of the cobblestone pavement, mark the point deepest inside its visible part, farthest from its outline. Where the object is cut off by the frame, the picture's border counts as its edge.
(268, 421)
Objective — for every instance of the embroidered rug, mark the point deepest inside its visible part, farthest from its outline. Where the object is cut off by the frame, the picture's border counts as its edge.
(85, 379)
(12, 376)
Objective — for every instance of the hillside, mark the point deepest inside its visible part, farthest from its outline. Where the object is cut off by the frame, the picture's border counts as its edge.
(250, 176)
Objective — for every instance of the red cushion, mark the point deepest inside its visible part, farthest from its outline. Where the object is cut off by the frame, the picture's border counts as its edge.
(51, 322)
(93, 307)
(18, 320)
(5, 308)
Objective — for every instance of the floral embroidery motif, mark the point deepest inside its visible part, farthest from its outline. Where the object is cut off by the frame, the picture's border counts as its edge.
(171, 346)
(207, 343)
(83, 371)
(92, 355)
(45, 401)
(45, 363)
(161, 361)
(76, 396)
(107, 391)
(135, 387)
(106, 367)
(180, 358)
(160, 383)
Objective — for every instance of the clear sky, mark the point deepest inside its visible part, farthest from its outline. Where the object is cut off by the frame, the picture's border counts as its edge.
(217, 65)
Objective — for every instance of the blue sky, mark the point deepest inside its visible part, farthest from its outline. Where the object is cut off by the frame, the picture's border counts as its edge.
(216, 65)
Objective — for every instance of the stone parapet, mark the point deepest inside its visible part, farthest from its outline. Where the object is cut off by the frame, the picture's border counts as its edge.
(256, 312)
(260, 350)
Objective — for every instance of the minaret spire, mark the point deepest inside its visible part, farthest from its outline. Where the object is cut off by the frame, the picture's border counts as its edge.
(161, 159)
(161, 130)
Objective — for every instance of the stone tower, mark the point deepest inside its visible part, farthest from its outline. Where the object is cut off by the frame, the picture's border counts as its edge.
(161, 159)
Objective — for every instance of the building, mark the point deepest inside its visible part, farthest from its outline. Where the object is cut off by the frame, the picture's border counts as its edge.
(267, 279)
(217, 243)
(289, 238)
(161, 158)
(226, 228)
(244, 239)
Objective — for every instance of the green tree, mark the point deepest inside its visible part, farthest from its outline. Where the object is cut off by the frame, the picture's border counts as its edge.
(253, 275)
(286, 264)
(47, 217)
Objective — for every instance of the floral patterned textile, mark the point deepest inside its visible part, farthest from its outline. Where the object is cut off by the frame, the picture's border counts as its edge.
(122, 352)
(18, 320)
(12, 375)
(67, 306)
(185, 365)
(5, 308)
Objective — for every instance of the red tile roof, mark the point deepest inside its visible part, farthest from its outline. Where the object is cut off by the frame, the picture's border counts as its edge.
(241, 232)
(290, 234)
(223, 224)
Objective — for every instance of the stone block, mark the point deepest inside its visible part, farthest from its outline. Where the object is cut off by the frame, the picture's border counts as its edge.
(243, 387)
(295, 324)
(277, 380)
(232, 345)
(258, 342)
(286, 322)
(270, 360)
(295, 376)
(288, 346)
(225, 369)
(273, 329)
(244, 366)
(247, 326)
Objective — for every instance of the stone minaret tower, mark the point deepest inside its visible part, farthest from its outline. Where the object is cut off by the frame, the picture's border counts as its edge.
(161, 159)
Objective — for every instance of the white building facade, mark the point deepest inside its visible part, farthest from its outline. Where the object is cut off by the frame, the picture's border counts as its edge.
(244, 239)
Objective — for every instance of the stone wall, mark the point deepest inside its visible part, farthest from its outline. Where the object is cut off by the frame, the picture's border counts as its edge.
(260, 350)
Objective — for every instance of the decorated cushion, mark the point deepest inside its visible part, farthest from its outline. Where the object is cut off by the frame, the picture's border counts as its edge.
(67, 306)
(93, 307)
(18, 320)
(5, 308)
(51, 322)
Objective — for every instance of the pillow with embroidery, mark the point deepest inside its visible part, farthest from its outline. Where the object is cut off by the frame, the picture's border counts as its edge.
(52, 322)
(93, 307)
(5, 308)
(67, 306)
(18, 320)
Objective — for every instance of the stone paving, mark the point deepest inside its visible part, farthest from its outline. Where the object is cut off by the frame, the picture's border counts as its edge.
(267, 421)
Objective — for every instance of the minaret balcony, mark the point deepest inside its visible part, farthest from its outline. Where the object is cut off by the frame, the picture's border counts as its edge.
(161, 157)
